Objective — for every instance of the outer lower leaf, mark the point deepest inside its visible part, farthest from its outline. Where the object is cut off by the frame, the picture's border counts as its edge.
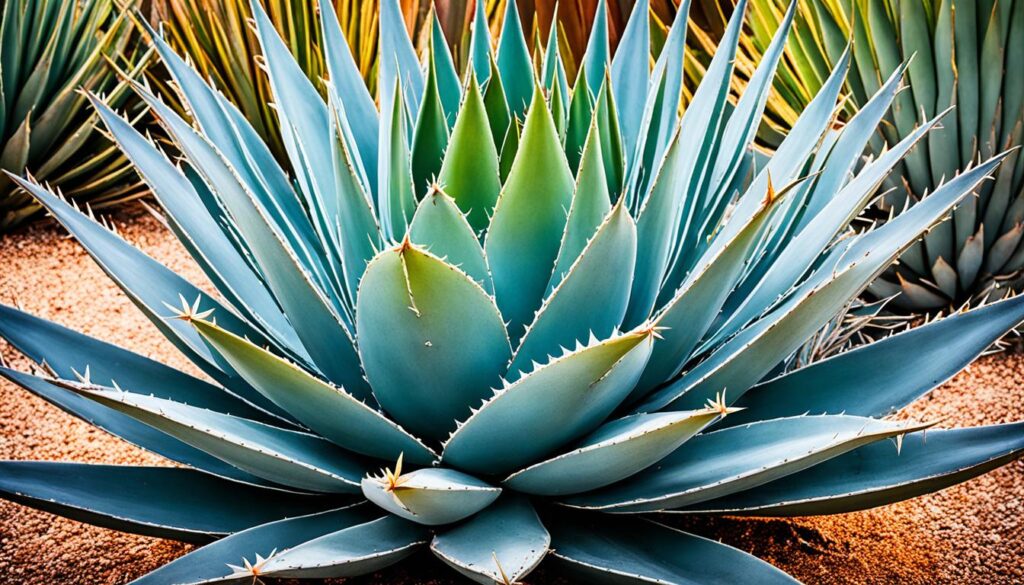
(505, 541)
(417, 318)
(619, 551)
(590, 300)
(431, 496)
(526, 230)
(210, 562)
(613, 452)
(874, 380)
(739, 458)
(127, 428)
(880, 474)
(290, 458)
(440, 227)
(356, 550)
(554, 404)
(165, 502)
(330, 411)
(469, 172)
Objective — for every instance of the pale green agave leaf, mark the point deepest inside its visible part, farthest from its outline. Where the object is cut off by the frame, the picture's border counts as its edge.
(164, 502)
(731, 460)
(431, 496)
(441, 228)
(323, 407)
(291, 458)
(503, 542)
(613, 452)
(552, 404)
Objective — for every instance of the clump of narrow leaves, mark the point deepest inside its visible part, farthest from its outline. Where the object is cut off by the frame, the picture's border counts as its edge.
(49, 50)
(502, 318)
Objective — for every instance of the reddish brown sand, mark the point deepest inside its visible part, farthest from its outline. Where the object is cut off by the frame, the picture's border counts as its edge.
(972, 533)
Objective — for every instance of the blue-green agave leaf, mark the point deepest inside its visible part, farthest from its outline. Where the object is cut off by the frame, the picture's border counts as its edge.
(590, 300)
(615, 451)
(330, 411)
(440, 226)
(503, 543)
(553, 405)
(127, 428)
(874, 380)
(291, 458)
(514, 63)
(210, 563)
(731, 460)
(430, 134)
(432, 496)
(529, 219)
(631, 73)
(880, 473)
(480, 52)
(620, 551)
(432, 340)
(595, 58)
(355, 550)
(447, 78)
(399, 65)
(396, 198)
(165, 502)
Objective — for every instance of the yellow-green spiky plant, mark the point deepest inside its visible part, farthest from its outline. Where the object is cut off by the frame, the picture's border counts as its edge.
(966, 53)
(48, 51)
(543, 312)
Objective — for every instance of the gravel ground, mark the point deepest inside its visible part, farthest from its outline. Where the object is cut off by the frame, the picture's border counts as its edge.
(972, 533)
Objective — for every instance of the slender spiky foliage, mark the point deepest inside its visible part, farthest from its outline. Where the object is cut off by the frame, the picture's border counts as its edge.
(540, 311)
(965, 55)
(49, 50)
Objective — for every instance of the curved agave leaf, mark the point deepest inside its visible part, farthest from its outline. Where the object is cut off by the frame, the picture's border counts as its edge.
(526, 231)
(590, 300)
(330, 411)
(739, 458)
(431, 496)
(396, 198)
(399, 65)
(469, 172)
(430, 134)
(356, 550)
(874, 380)
(127, 428)
(447, 78)
(554, 404)
(164, 502)
(880, 474)
(290, 458)
(426, 313)
(501, 544)
(613, 452)
(440, 227)
(595, 58)
(629, 551)
(480, 44)
(150, 285)
(68, 353)
(631, 71)
(514, 64)
(210, 563)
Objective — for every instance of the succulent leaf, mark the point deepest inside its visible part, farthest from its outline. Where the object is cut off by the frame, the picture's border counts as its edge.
(165, 502)
(552, 404)
(431, 496)
(501, 544)
(615, 451)
(431, 339)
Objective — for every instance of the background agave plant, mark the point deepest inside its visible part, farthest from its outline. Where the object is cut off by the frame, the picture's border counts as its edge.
(965, 52)
(529, 324)
(45, 124)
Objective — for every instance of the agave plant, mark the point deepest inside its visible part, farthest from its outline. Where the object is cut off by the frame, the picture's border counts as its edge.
(965, 53)
(541, 313)
(45, 124)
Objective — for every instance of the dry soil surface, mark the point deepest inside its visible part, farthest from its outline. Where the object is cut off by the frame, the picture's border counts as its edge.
(973, 533)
